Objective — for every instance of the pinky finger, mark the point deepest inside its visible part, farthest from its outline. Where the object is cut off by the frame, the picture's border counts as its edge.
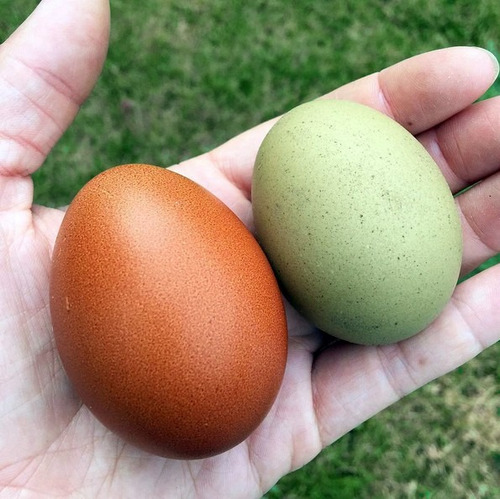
(353, 383)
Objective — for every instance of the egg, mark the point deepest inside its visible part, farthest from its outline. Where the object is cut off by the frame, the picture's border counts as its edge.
(357, 221)
(166, 314)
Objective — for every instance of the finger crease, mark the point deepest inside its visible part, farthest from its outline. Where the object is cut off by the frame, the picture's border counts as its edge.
(399, 384)
(24, 143)
(53, 81)
(440, 158)
(478, 232)
(459, 306)
(386, 106)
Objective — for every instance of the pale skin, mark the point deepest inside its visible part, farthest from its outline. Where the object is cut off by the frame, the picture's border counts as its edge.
(50, 444)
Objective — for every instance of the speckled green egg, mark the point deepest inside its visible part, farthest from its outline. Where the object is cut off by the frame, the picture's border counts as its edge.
(357, 221)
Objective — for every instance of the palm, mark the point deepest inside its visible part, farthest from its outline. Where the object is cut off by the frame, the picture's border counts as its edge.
(51, 444)
(57, 442)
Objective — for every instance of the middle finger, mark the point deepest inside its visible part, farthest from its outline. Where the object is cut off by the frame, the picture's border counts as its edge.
(466, 147)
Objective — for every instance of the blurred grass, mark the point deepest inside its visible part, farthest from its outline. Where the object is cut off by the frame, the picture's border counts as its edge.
(183, 77)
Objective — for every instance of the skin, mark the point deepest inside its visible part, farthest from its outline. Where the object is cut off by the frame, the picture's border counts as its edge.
(50, 444)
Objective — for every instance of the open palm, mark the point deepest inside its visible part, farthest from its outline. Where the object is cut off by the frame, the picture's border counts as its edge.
(51, 444)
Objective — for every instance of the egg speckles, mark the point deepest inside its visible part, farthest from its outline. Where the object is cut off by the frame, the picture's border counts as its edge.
(167, 316)
(357, 221)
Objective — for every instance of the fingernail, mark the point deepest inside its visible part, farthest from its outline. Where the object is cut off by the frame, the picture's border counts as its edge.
(494, 60)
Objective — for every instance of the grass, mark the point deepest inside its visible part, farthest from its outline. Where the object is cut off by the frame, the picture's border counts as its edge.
(183, 77)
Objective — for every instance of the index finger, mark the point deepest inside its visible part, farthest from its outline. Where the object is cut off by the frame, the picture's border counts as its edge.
(426, 89)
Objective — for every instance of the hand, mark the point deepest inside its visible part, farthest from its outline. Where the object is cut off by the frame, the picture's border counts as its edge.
(51, 444)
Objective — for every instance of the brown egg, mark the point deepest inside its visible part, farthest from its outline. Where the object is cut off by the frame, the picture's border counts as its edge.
(166, 314)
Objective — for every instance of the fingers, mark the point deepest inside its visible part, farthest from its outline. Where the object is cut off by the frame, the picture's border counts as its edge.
(47, 68)
(420, 93)
(373, 378)
(467, 149)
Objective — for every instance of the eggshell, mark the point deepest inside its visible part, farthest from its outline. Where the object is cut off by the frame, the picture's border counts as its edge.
(357, 220)
(166, 314)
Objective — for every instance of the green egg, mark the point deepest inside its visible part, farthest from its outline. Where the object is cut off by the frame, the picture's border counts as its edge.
(357, 221)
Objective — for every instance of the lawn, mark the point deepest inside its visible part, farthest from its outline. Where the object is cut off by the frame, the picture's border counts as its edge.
(182, 77)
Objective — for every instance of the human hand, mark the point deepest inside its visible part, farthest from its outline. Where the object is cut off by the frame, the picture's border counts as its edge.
(51, 444)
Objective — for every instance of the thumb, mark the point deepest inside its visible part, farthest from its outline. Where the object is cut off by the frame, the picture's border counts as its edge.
(47, 69)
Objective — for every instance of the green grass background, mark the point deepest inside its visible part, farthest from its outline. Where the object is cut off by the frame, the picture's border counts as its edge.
(182, 77)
